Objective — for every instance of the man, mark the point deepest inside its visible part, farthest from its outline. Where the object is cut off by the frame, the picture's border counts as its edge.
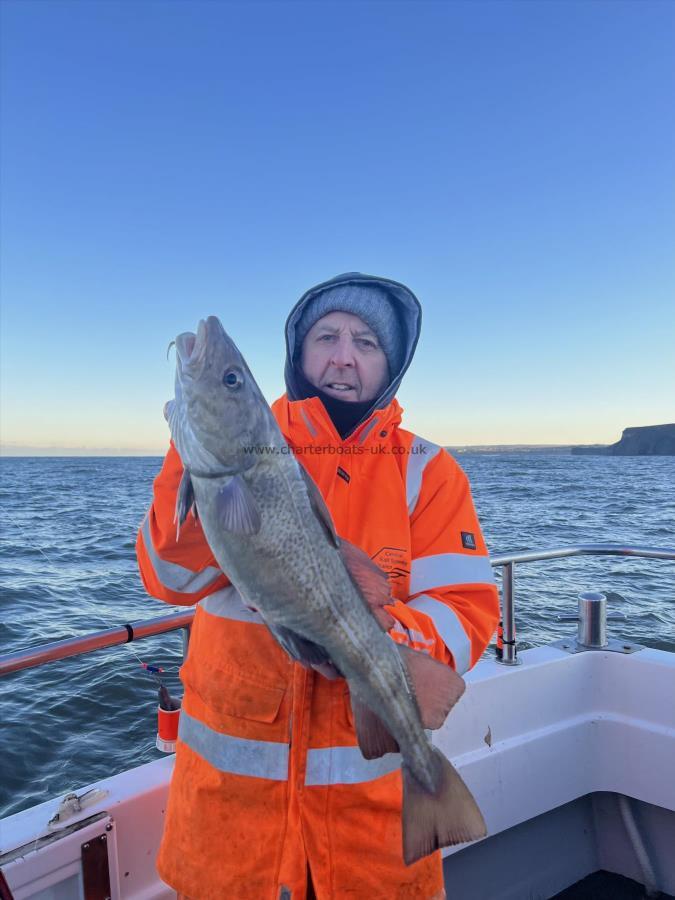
(271, 798)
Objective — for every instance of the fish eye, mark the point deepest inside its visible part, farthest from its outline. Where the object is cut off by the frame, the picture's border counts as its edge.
(232, 380)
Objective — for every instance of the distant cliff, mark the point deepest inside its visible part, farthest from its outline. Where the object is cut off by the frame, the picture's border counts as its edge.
(649, 440)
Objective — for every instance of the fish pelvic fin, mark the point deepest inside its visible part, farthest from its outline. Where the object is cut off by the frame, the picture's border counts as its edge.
(185, 501)
(448, 816)
(436, 686)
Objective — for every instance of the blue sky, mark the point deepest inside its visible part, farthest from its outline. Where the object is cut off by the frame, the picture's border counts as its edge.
(512, 162)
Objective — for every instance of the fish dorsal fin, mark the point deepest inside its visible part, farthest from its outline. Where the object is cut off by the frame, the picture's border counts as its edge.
(237, 509)
(370, 580)
(437, 687)
(367, 575)
(319, 506)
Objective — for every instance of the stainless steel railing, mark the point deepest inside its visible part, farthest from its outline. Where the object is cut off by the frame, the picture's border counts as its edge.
(123, 634)
(507, 651)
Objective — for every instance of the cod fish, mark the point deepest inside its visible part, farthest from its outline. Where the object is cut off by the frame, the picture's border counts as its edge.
(271, 532)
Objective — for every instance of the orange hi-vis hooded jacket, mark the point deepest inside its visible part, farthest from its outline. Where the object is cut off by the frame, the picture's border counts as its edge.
(269, 781)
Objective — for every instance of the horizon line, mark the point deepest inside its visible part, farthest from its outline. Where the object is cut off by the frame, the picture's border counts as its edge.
(37, 451)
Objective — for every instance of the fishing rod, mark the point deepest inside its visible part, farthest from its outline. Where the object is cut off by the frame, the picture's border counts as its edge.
(166, 701)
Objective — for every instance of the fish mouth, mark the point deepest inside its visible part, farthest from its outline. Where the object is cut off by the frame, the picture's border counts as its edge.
(191, 350)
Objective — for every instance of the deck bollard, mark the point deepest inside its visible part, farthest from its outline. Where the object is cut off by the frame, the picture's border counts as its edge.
(592, 627)
(592, 620)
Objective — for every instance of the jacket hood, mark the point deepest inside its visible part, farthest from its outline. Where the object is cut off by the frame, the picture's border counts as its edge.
(409, 312)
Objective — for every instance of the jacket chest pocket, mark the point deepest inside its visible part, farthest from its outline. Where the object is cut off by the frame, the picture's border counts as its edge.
(235, 704)
(245, 700)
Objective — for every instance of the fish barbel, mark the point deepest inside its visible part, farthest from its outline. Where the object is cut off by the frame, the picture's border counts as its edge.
(271, 533)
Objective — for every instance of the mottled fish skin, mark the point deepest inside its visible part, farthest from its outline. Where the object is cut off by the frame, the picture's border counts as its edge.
(267, 531)
(289, 571)
(315, 597)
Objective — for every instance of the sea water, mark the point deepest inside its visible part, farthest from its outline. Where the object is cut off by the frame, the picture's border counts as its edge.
(67, 567)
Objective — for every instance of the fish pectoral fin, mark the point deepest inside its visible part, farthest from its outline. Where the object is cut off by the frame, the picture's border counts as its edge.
(373, 737)
(370, 580)
(436, 686)
(237, 510)
(185, 501)
(299, 648)
(449, 815)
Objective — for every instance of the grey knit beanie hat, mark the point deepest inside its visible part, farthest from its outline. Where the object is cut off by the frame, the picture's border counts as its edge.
(370, 303)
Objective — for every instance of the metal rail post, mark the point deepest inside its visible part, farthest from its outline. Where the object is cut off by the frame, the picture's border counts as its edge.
(185, 639)
(509, 655)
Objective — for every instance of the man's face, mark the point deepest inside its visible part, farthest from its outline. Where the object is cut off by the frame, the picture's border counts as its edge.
(342, 356)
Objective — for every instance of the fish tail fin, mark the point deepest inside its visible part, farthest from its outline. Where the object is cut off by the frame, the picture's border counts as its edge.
(448, 816)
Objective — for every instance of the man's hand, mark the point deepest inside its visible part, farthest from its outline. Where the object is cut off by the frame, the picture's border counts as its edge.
(331, 672)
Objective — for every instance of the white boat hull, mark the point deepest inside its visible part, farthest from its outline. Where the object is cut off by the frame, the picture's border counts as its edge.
(547, 747)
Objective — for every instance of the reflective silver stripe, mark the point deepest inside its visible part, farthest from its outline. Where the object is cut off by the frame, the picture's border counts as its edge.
(227, 604)
(366, 431)
(346, 765)
(418, 637)
(412, 634)
(237, 756)
(308, 423)
(444, 569)
(420, 454)
(175, 577)
(449, 627)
